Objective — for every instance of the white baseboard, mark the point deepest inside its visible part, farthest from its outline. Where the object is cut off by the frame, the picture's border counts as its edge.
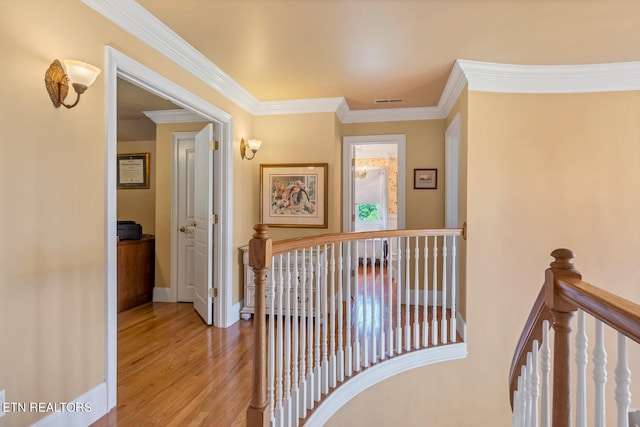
(163, 295)
(234, 315)
(88, 408)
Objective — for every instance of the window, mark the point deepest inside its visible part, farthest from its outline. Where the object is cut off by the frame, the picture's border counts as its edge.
(368, 212)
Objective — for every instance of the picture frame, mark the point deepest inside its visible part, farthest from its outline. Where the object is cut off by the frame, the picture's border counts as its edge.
(132, 170)
(425, 179)
(294, 195)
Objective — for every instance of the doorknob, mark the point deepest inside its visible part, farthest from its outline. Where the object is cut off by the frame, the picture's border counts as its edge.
(183, 229)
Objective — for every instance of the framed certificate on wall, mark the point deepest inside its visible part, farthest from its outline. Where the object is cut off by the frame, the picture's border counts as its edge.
(133, 170)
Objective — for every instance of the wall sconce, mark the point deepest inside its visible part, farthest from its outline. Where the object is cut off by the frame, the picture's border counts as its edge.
(80, 74)
(251, 144)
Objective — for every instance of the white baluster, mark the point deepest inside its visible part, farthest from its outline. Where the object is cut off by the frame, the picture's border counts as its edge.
(599, 375)
(295, 403)
(407, 286)
(623, 380)
(325, 322)
(516, 408)
(443, 319)
(358, 322)
(279, 344)
(286, 401)
(340, 315)
(416, 298)
(581, 372)
(365, 306)
(522, 397)
(425, 293)
(332, 319)
(374, 337)
(310, 329)
(526, 412)
(545, 367)
(302, 390)
(318, 320)
(390, 299)
(434, 301)
(270, 293)
(348, 357)
(534, 381)
(399, 298)
(454, 290)
(371, 318)
(382, 303)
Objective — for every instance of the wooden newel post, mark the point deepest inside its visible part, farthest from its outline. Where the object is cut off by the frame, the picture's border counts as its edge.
(563, 311)
(259, 261)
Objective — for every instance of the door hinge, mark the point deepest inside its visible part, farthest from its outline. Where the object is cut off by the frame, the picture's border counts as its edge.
(213, 219)
(353, 162)
(213, 145)
(213, 292)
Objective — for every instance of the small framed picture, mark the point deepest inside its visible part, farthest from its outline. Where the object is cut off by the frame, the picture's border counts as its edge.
(425, 179)
(133, 170)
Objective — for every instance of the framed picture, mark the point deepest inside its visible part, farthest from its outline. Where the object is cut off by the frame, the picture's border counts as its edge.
(293, 195)
(133, 170)
(425, 179)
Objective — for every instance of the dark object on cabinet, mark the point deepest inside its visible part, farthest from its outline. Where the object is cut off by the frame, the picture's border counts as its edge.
(129, 230)
(136, 265)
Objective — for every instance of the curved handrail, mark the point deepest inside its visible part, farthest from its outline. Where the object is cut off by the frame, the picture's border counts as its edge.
(296, 243)
(564, 287)
(532, 331)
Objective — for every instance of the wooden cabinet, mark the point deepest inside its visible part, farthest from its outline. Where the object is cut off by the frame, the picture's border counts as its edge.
(136, 265)
(308, 264)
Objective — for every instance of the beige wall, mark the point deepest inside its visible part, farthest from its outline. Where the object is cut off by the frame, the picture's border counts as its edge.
(300, 138)
(425, 150)
(544, 171)
(52, 176)
(139, 204)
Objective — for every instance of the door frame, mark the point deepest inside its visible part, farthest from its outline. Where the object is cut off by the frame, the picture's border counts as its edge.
(120, 65)
(347, 186)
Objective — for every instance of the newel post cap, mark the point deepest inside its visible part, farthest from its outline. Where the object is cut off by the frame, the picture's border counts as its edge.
(260, 248)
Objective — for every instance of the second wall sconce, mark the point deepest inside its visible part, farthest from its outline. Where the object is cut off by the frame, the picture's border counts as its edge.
(250, 144)
(80, 74)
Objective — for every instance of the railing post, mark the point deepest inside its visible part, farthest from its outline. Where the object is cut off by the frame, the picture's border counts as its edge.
(259, 261)
(562, 312)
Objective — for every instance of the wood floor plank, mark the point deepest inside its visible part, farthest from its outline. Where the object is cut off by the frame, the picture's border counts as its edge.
(173, 370)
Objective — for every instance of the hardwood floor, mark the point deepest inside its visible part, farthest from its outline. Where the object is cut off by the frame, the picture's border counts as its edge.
(173, 370)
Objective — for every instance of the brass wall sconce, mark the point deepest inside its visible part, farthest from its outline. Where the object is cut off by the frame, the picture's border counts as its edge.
(80, 74)
(251, 144)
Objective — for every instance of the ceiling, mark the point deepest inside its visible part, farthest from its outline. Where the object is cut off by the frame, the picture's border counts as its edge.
(364, 50)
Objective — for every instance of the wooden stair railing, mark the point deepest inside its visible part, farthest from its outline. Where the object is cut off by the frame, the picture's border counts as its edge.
(562, 295)
(326, 307)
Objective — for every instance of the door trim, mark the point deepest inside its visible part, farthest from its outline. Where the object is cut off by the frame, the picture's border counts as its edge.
(452, 173)
(120, 65)
(347, 191)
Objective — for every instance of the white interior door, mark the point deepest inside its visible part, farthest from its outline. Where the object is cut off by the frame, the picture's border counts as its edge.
(203, 228)
(186, 162)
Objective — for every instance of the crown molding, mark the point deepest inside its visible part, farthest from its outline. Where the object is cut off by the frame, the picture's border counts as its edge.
(313, 105)
(509, 78)
(452, 90)
(173, 116)
(392, 115)
(475, 75)
(136, 20)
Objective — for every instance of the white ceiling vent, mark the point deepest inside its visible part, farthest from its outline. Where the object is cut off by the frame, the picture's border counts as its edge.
(389, 101)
